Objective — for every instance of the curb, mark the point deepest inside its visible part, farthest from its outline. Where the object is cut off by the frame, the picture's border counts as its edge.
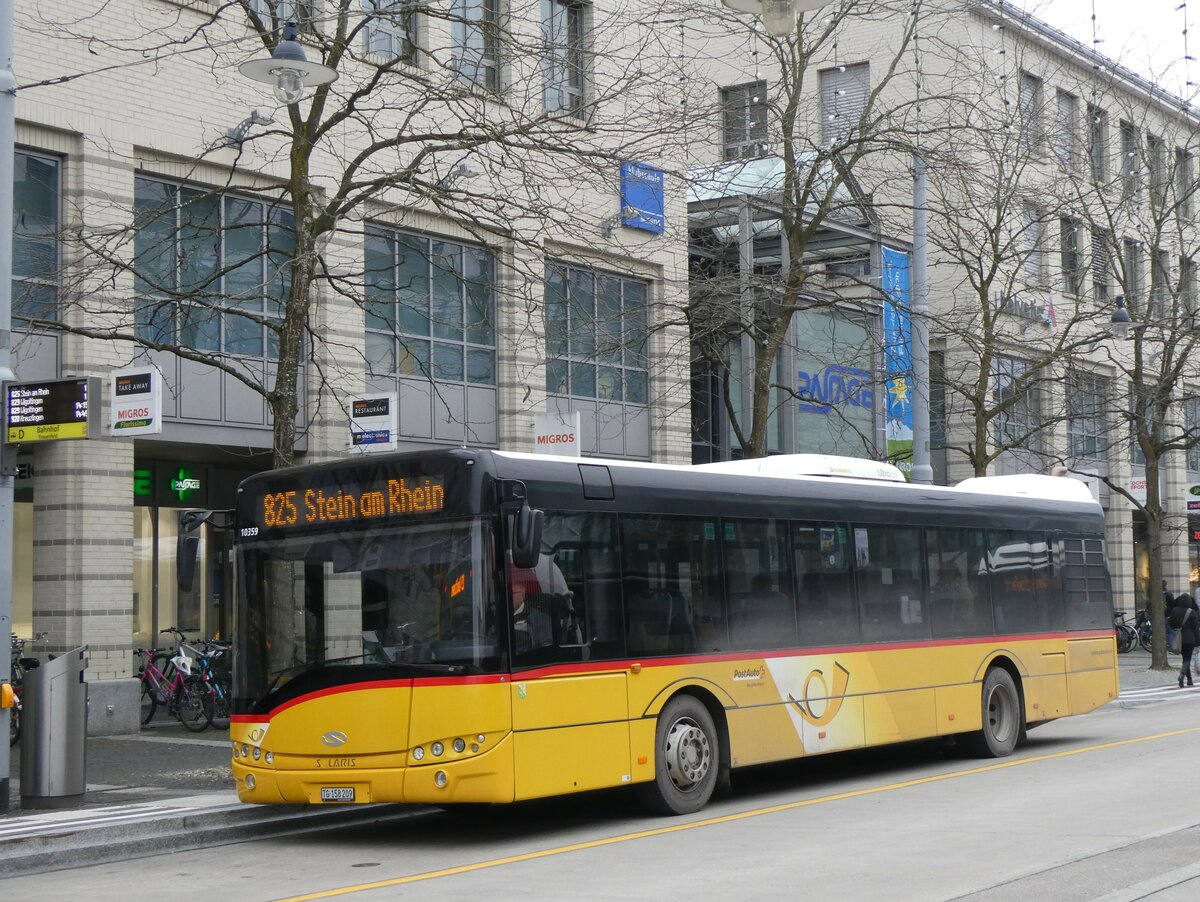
(51, 845)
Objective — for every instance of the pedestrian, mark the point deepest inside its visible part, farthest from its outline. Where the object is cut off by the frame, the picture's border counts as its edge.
(1185, 617)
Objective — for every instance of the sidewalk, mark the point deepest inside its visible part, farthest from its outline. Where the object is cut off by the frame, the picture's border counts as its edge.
(166, 789)
(161, 790)
(1135, 671)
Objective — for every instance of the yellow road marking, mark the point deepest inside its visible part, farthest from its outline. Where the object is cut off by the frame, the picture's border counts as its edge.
(722, 819)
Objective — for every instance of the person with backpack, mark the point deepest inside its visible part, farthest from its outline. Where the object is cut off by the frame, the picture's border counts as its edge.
(1184, 617)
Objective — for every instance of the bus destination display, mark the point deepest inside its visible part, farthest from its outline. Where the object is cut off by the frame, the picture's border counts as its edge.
(350, 504)
(45, 411)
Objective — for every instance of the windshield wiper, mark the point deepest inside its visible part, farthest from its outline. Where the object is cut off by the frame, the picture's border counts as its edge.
(279, 675)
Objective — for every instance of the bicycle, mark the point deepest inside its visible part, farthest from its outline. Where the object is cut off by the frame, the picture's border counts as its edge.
(19, 665)
(169, 681)
(1126, 633)
(213, 663)
(1142, 624)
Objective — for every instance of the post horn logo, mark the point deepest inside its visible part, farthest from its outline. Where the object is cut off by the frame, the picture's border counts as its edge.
(334, 738)
(833, 699)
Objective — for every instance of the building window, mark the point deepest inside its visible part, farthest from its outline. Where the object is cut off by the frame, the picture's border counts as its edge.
(1131, 263)
(210, 269)
(562, 29)
(276, 13)
(390, 29)
(1129, 160)
(1072, 274)
(1097, 143)
(35, 246)
(1156, 151)
(595, 335)
(1101, 265)
(1136, 456)
(477, 42)
(844, 93)
(1029, 104)
(1087, 404)
(1187, 284)
(1191, 422)
(1160, 288)
(1183, 181)
(1018, 419)
(1033, 245)
(1065, 139)
(744, 109)
(430, 308)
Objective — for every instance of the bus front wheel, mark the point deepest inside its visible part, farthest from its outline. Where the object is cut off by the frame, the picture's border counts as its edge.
(1002, 716)
(686, 755)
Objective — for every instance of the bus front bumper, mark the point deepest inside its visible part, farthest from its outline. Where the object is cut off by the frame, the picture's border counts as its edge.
(487, 777)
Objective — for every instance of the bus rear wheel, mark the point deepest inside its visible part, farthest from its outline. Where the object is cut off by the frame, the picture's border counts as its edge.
(686, 756)
(1003, 720)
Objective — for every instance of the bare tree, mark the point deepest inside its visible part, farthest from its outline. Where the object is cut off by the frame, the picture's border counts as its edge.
(801, 165)
(541, 110)
(1140, 209)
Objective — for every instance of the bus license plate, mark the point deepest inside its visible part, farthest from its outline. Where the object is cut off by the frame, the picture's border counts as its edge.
(337, 793)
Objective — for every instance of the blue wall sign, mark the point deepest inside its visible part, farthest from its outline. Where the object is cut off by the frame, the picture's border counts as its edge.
(642, 198)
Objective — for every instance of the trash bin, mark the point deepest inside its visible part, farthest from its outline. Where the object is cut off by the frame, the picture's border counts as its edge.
(54, 732)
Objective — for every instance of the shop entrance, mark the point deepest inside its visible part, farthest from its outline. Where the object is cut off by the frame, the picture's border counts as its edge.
(158, 602)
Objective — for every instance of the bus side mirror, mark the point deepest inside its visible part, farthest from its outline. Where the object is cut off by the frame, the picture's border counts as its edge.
(527, 536)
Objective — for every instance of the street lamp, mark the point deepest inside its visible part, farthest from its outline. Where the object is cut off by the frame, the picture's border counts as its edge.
(1121, 325)
(288, 70)
(778, 16)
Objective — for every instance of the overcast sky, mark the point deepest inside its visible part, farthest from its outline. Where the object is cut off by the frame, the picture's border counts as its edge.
(1143, 35)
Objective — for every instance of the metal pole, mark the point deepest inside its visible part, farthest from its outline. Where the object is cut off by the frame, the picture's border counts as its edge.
(922, 472)
(8, 103)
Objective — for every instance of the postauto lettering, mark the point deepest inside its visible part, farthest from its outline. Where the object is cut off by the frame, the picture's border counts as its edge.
(834, 386)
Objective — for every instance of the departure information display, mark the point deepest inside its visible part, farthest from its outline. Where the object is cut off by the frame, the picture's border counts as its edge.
(45, 411)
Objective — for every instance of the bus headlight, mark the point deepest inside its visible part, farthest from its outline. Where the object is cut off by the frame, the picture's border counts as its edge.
(257, 753)
(439, 779)
(245, 750)
(250, 781)
(418, 753)
(437, 748)
(270, 757)
(459, 745)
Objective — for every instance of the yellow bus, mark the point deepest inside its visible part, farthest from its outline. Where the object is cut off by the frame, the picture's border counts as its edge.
(474, 626)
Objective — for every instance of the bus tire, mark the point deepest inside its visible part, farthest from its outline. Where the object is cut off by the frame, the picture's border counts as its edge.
(1003, 722)
(686, 759)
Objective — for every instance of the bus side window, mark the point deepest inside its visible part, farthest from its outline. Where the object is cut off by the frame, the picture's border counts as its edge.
(1086, 583)
(890, 580)
(828, 614)
(958, 600)
(672, 589)
(1010, 571)
(762, 610)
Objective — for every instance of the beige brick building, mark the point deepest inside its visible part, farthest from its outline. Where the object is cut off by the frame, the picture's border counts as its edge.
(1058, 181)
(127, 124)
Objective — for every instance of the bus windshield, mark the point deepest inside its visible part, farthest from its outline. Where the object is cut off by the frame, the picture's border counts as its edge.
(320, 610)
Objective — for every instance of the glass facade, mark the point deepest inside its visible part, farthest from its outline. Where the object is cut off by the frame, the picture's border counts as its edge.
(36, 223)
(210, 270)
(430, 308)
(595, 335)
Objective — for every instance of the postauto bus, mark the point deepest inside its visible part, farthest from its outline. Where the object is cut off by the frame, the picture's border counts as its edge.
(477, 626)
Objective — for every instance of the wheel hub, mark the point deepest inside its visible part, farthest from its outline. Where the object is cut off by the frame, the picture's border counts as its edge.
(688, 755)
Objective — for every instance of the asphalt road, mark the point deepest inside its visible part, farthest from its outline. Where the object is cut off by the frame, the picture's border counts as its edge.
(1095, 807)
